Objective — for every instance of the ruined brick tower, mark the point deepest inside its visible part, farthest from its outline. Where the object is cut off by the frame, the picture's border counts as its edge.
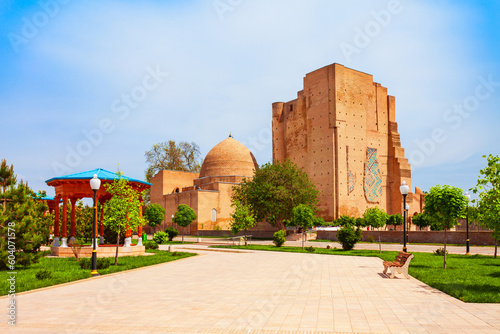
(342, 131)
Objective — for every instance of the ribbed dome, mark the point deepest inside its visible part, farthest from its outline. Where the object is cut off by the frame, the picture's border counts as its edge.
(229, 157)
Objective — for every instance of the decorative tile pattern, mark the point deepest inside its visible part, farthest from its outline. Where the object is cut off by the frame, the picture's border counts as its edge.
(373, 181)
(351, 180)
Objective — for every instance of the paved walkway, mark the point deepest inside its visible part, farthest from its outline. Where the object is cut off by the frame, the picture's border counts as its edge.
(250, 292)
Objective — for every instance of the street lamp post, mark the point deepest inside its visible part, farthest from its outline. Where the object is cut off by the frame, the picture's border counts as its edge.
(404, 191)
(407, 216)
(467, 242)
(95, 183)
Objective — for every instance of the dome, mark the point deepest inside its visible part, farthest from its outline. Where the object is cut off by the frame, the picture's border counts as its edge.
(229, 157)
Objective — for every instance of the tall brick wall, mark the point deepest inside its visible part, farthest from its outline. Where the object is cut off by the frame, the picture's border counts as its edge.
(341, 130)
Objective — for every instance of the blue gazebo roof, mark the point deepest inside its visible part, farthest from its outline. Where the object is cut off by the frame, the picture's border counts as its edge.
(101, 174)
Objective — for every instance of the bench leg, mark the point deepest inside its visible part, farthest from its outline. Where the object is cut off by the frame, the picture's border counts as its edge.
(385, 270)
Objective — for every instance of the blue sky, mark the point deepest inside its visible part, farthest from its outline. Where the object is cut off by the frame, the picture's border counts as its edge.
(96, 83)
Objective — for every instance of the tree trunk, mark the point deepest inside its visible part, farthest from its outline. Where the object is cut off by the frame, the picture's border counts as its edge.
(303, 237)
(246, 243)
(183, 231)
(496, 246)
(379, 242)
(444, 247)
(117, 244)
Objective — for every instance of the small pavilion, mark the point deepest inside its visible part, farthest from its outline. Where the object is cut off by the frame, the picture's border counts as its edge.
(77, 186)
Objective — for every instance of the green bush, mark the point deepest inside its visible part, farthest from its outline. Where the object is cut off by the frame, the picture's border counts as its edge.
(150, 244)
(43, 274)
(279, 238)
(172, 233)
(348, 236)
(370, 239)
(310, 249)
(102, 263)
(160, 237)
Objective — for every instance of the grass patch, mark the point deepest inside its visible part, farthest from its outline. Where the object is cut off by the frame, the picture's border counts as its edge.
(472, 279)
(63, 270)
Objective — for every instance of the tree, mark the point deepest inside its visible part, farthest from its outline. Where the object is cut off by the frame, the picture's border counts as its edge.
(421, 220)
(375, 218)
(170, 156)
(395, 220)
(303, 216)
(445, 205)
(24, 226)
(275, 190)
(488, 187)
(7, 179)
(184, 216)
(154, 214)
(122, 211)
(241, 219)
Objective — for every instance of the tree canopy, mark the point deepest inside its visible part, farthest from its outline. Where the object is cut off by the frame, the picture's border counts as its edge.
(375, 217)
(275, 190)
(445, 205)
(184, 216)
(171, 156)
(488, 188)
(122, 211)
(154, 214)
(24, 224)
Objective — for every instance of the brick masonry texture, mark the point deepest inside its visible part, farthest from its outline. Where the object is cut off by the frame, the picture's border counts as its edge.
(342, 131)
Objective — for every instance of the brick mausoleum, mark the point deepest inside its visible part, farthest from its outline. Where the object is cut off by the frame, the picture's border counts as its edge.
(341, 130)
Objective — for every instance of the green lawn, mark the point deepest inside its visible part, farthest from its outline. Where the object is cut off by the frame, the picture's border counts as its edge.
(473, 279)
(68, 269)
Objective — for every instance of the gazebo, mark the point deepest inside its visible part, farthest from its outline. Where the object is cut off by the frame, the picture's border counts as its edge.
(76, 186)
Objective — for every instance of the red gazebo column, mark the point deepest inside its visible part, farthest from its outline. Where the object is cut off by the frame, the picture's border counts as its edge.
(56, 223)
(128, 238)
(73, 209)
(64, 235)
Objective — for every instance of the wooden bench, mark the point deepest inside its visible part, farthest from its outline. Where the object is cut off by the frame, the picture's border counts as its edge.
(400, 265)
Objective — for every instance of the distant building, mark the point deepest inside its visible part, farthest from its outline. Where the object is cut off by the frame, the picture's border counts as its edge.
(342, 131)
(209, 192)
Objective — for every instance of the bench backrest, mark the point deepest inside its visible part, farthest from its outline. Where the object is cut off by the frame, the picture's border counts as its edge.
(402, 257)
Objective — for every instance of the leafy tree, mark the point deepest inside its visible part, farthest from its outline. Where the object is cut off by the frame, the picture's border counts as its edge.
(275, 190)
(488, 187)
(24, 226)
(241, 219)
(345, 220)
(394, 220)
(421, 220)
(360, 222)
(122, 211)
(170, 156)
(445, 205)
(184, 216)
(303, 216)
(7, 179)
(154, 214)
(376, 218)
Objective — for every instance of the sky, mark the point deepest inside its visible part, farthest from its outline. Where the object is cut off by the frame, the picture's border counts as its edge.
(94, 84)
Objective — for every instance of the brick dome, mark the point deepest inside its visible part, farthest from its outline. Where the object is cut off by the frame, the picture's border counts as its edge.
(229, 157)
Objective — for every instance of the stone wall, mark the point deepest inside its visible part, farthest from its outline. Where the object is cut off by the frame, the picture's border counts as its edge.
(476, 238)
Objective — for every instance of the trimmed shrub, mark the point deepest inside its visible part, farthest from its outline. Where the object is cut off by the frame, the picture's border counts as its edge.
(370, 239)
(102, 263)
(440, 251)
(160, 237)
(279, 238)
(150, 244)
(43, 274)
(172, 233)
(348, 236)
(310, 249)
